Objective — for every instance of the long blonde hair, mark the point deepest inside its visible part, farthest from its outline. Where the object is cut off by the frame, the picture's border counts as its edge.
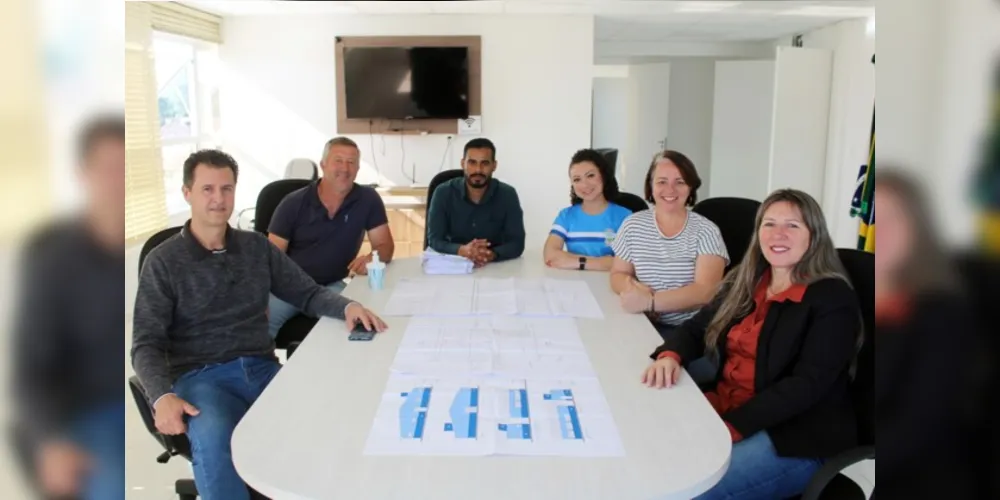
(820, 261)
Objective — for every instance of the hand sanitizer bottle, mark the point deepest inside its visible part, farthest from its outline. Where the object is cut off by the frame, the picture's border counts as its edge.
(376, 272)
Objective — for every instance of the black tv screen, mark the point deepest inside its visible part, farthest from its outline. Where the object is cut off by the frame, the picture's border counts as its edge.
(399, 83)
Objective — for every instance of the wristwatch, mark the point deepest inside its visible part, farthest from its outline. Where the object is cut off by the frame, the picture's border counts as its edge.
(583, 263)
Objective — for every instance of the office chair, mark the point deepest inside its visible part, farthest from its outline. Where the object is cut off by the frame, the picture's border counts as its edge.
(296, 169)
(174, 445)
(294, 331)
(302, 168)
(611, 155)
(440, 178)
(828, 483)
(631, 202)
(735, 219)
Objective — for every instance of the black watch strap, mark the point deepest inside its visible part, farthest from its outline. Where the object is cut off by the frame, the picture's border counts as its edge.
(583, 263)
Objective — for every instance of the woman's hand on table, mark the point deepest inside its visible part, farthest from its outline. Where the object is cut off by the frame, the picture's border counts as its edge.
(636, 298)
(663, 373)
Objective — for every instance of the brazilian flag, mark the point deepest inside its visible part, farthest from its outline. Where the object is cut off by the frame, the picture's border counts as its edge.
(863, 202)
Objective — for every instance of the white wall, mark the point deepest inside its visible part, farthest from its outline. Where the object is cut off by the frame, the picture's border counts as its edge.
(692, 97)
(852, 96)
(741, 129)
(279, 100)
(935, 68)
(649, 92)
(970, 48)
(801, 118)
(611, 117)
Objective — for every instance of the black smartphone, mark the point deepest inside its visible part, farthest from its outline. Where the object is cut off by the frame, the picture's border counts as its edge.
(360, 333)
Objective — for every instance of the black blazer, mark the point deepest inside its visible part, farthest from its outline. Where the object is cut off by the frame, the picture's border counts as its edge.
(930, 409)
(801, 378)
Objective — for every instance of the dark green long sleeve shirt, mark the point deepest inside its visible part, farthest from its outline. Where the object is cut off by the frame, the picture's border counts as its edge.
(454, 220)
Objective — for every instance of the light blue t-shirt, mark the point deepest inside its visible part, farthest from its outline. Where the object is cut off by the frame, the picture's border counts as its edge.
(589, 235)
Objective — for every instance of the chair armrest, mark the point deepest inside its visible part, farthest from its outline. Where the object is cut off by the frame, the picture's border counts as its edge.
(834, 466)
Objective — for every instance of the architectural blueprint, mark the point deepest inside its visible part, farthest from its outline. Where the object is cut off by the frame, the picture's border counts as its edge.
(506, 346)
(493, 385)
(493, 416)
(466, 296)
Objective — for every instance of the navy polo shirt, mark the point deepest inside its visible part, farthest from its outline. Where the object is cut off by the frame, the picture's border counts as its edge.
(321, 245)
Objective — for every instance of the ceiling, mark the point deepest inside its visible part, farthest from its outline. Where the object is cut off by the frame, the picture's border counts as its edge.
(617, 22)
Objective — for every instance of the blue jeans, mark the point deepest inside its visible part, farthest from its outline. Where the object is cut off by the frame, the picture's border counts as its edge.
(222, 392)
(756, 471)
(100, 434)
(279, 311)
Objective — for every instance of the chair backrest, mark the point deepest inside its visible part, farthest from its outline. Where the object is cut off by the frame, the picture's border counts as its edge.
(611, 155)
(631, 202)
(270, 197)
(735, 219)
(302, 168)
(154, 241)
(440, 178)
(860, 267)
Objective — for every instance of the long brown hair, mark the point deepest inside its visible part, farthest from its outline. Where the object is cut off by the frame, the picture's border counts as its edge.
(926, 267)
(820, 261)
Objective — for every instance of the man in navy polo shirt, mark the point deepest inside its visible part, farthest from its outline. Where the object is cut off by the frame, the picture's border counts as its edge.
(322, 226)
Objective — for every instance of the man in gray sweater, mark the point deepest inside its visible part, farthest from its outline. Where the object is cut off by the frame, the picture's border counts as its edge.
(200, 345)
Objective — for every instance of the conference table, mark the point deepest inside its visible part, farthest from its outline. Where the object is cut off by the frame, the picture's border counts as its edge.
(305, 437)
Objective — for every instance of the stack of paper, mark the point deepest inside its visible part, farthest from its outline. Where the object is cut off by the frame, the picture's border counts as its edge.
(439, 263)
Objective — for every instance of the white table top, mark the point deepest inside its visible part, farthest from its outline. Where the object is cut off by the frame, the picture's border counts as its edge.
(304, 437)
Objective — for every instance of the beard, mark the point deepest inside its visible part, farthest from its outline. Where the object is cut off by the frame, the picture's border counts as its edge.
(477, 180)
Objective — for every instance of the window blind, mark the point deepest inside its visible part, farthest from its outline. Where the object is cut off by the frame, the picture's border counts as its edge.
(145, 199)
(171, 17)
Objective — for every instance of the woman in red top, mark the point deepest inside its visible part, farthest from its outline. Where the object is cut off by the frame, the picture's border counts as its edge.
(784, 330)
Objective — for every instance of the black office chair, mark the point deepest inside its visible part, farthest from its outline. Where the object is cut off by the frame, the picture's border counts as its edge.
(735, 219)
(631, 202)
(294, 331)
(440, 178)
(174, 445)
(269, 198)
(828, 483)
(611, 155)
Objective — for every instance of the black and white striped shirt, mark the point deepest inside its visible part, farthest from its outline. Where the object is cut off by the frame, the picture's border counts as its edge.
(665, 263)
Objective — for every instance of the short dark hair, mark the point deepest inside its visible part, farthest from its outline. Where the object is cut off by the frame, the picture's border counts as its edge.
(480, 143)
(338, 141)
(97, 129)
(603, 167)
(212, 158)
(684, 165)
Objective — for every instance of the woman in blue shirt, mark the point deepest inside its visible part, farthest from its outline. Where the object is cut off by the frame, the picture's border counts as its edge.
(582, 233)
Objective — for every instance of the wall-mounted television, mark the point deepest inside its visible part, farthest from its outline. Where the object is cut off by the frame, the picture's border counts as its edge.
(399, 83)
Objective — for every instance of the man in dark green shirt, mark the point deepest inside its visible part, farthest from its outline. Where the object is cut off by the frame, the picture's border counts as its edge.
(477, 216)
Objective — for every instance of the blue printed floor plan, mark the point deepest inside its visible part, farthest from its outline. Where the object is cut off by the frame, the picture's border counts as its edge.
(518, 408)
(413, 412)
(464, 413)
(569, 420)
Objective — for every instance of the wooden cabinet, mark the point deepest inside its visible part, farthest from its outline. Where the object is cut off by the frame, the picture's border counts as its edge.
(406, 209)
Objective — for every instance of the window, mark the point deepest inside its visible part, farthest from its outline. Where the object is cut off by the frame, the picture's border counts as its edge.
(187, 95)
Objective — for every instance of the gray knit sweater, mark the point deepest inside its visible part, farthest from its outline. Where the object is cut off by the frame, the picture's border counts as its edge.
(196, 306)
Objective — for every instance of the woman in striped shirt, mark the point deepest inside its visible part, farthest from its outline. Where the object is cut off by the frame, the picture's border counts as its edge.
(669, 261)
